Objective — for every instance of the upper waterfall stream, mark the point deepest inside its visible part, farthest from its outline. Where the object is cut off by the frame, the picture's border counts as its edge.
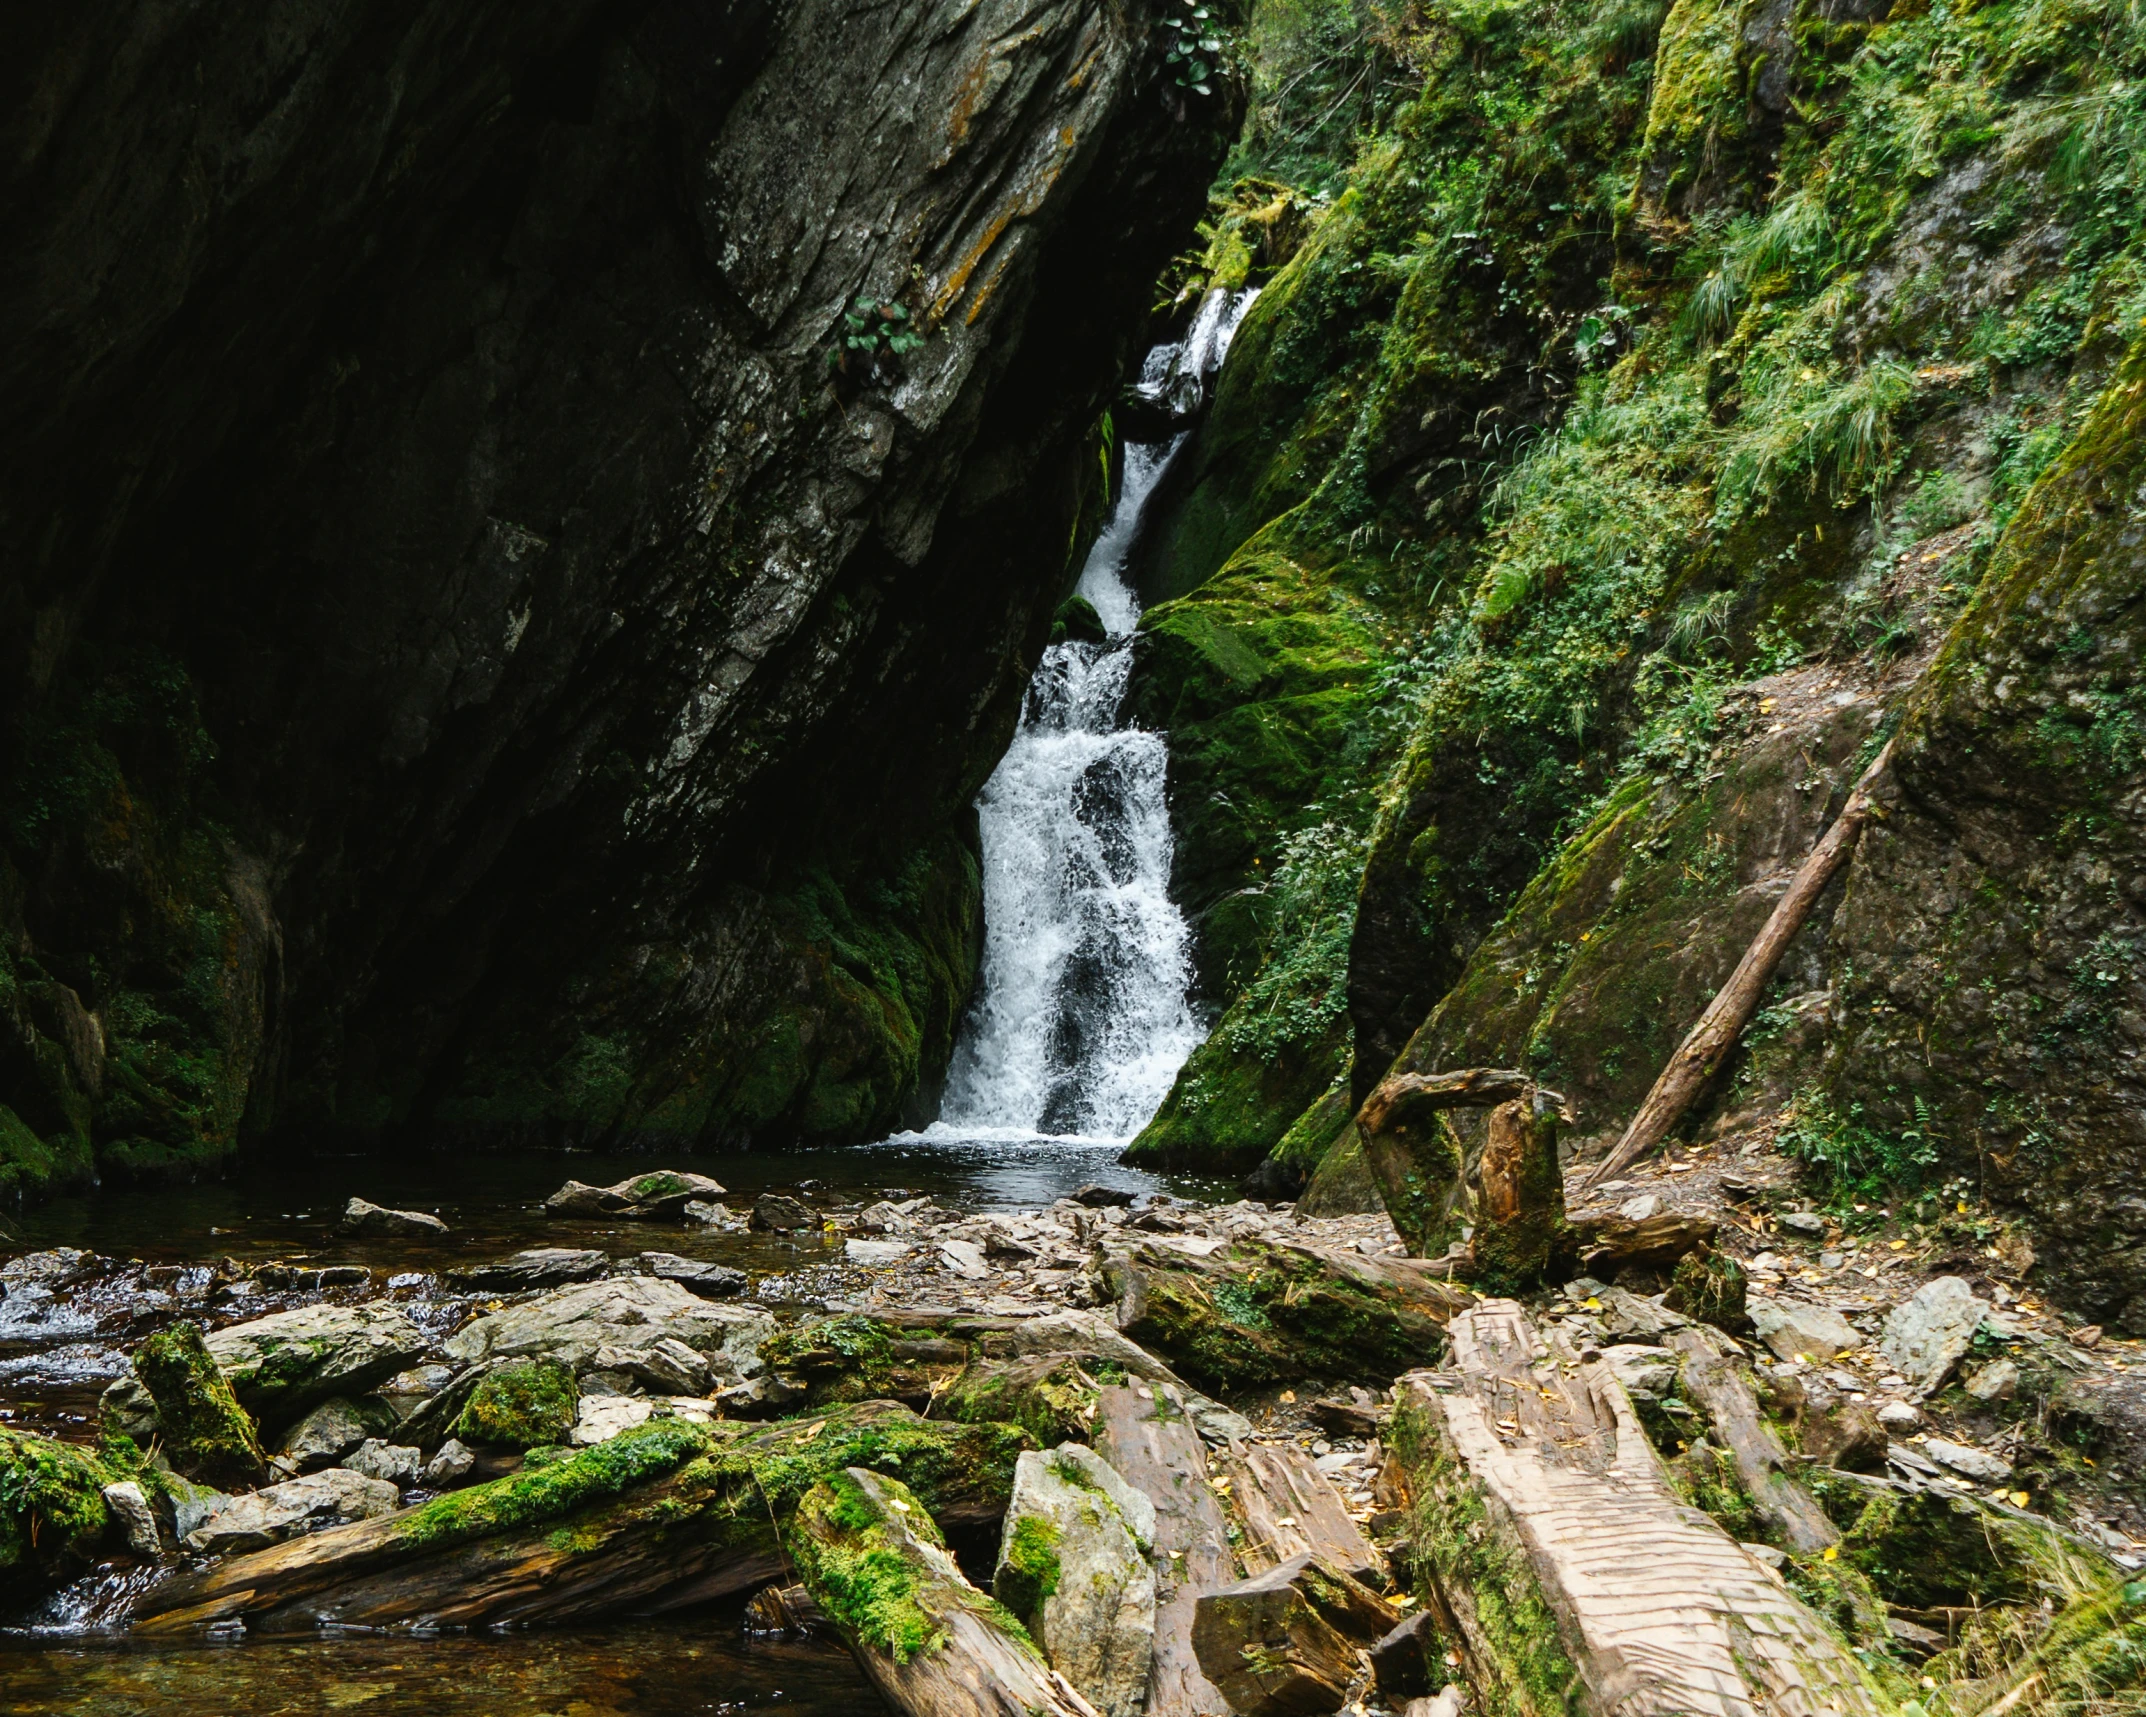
(1083, 1015)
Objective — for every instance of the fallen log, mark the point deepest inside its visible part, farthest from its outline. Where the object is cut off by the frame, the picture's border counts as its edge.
(1574, 1575)
(1154, 1448)
(873, 1560)
(1254, 1313)
(668, 1513)
(1706, 1046)
(1715, 1377)
(1285, 1507)
(1287, 1642)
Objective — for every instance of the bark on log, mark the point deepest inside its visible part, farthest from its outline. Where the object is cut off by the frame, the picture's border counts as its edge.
(933, 1645)
(1520, 1217)
(1155, 1450)
(1288, 1642)
(1421, 1165)
(1576, 1577)
(1715, 1376)
(1285, 1507)
(1699, 1057)
(663, 1515)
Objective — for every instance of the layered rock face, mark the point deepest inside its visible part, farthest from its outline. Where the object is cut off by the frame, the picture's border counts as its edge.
(523, 529)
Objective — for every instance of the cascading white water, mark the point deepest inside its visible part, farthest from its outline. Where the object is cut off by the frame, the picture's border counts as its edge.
(1082, 1018)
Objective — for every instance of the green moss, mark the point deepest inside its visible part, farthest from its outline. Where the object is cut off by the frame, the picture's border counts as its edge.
(1051, 1398)
(204, 1432)
(1028, 1568)
(52, 1512)
(525, 1404)
(862, 1570)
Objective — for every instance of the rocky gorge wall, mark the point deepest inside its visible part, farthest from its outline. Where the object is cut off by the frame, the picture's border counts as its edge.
(521, 531)
(1673, 402)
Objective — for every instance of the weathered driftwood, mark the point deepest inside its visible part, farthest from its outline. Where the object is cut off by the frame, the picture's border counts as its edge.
(1514, 1195)
(1155, 1450)
(666, 1514)
(1603, 1245)
(1714, 1375)
(872, 1558)
(1254, 1313)
(1699, 1057)
(1289, 1640)
(1575, 1576)
(1285, 1506)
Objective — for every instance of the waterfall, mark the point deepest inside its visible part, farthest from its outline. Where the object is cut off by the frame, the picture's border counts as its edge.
(1082, 1019)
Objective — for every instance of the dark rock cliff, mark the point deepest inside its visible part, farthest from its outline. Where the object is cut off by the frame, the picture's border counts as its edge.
(499, 620)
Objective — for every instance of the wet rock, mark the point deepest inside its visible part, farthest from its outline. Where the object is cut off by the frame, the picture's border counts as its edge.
(266, 1517)
(281, 1365)
(569, 1324)
(1284, 1643)
(711, 1213)
(1073, 1566)
(657, 1196)
(876, 1252)
(361, 1216)
(1928, 1333)
(775, 1213)
(710, 1281)
(1097, 1197)
(539, 1267)
(376, 1458)
(204, 1432)
(1997, 1381)
(190, 1504)
(450, 1467)
(51, 1267)
(334, 1428)
(135, 1519)
(1976, 1464)
(1797, 1330)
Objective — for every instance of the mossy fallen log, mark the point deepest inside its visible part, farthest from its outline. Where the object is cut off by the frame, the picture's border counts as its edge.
(869, 1553)
(1575, 1577)
(1715, 1376)
(666, 1514)
(1256, 1313)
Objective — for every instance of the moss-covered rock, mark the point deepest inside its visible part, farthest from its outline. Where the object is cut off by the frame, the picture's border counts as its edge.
(524, 1404)
(1051, 1397)
(201, 1427)
(53, 1516)
(859, 1358)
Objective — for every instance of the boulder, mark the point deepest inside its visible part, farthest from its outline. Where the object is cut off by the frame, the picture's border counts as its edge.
(134, 1518)
(539, 1267)
(397, 1463)
(450, 1467)
(1847, 1435)
(1073, 1566)
(1098, 1197)
(569, 1324)
(520, 1404)
(1899, 1417)
(1796, 1330)
(204, 1432)
(710, 1281)
(328, 1433)
(665, 1365)
(1928, 1333)
(963, 1258)
(361, 1216)
(1285, 1643)
(712, 1213)
(282, 1365)
(265, 1517)
(660, 1195)
(869, 1252)
(775, 1213)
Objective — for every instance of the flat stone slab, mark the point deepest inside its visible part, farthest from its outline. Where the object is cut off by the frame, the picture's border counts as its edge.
(1795, 1330)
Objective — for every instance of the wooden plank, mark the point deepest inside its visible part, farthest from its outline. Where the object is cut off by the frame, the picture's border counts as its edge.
(1151, 1443)
(1285, 1506)
(1611, 1595)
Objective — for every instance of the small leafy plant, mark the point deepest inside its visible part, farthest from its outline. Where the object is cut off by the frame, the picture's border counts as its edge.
(876, 334)
(1192, 48)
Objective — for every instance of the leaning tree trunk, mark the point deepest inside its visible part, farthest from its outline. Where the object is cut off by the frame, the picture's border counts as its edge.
(874, 1562)
(1700, 1055)
(1574, 1574)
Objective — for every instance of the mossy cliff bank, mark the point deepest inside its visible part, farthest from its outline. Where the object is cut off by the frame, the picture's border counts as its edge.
(1649, 409)
(522, 529)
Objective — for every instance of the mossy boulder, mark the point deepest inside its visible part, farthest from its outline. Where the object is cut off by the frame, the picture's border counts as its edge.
(53, 1516)
(859, 1358)
(524, 1404)
(1077, 622)
(1052, 1397)
(202, 1429)
(1231, 1106)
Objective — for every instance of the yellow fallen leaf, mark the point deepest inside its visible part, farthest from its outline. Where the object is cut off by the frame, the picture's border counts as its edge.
(1832, 1553)
(811, 1431)
(1289, 1395)
(2020, 1499)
